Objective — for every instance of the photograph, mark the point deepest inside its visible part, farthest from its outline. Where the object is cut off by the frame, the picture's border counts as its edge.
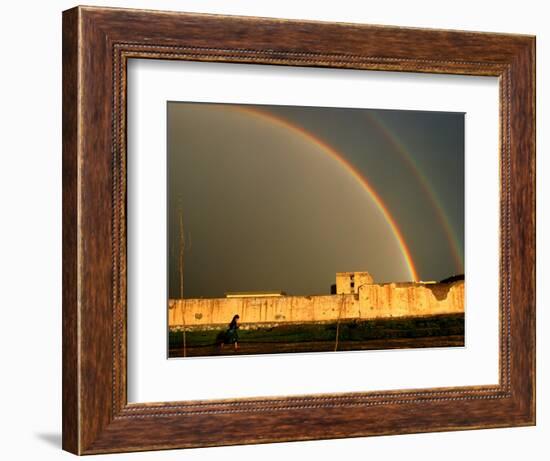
(298, 229)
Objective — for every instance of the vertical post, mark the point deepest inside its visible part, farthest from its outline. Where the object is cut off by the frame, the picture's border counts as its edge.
(182, 248)
(338, 323)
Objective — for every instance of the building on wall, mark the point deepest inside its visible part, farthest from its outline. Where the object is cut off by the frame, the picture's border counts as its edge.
(350, 282)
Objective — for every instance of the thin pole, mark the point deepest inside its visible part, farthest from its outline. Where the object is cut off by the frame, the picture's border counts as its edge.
(182, 248)
(338, 323)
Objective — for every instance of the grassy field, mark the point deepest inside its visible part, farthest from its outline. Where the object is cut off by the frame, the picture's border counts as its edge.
(433, 331)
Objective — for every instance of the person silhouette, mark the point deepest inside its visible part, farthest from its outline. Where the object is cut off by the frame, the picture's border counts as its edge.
(232, 334)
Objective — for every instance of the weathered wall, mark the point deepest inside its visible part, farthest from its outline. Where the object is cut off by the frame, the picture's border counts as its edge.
(373, 301)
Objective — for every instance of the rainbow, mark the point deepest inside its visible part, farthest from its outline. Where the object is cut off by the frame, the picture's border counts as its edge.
(354, 172)
(426, 186)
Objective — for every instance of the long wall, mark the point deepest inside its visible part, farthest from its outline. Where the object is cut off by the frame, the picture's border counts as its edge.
(372, 301)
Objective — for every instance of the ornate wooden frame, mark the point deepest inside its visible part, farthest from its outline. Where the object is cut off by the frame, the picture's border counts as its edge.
(97, 43)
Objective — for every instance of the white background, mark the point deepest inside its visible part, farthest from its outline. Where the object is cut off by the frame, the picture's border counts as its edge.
(152, 378)
(30, 243)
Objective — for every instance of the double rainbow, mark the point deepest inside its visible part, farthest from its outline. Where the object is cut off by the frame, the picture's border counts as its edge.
(405, 251)
(426, 186)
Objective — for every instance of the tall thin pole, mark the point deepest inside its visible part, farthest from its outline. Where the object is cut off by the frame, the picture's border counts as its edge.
(182, 248)
(338, 323)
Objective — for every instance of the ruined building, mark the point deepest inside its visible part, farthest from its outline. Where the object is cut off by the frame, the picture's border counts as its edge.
(349, 282)
(356, 297)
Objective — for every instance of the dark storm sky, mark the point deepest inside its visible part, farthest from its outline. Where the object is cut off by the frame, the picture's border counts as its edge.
(265, 206)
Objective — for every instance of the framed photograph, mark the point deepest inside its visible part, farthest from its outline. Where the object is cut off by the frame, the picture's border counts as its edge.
(281, 230)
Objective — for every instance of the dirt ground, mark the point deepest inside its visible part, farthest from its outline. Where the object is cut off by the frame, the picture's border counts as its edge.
(318, 346)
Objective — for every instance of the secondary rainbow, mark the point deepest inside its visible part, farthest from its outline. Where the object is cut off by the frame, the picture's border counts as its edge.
(426, 186)
(337, 156)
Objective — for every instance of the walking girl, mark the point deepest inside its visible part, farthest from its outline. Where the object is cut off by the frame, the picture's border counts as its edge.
(232, 334)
